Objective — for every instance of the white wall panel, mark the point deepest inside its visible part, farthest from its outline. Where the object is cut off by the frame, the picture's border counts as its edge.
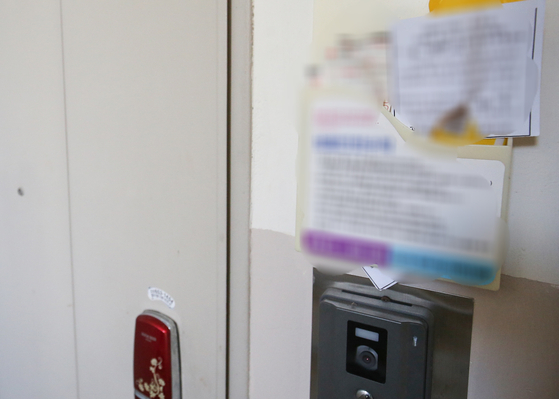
(37, 357)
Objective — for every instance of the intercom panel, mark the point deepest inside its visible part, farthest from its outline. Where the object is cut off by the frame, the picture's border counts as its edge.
(402, 342)
(367, 345)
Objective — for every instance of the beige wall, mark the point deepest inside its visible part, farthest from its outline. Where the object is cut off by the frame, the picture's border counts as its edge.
(514, 349)
(515, 352)
(282, 34)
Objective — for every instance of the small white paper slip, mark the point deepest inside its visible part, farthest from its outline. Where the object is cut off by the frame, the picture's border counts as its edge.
(157, 294)
(379, 280)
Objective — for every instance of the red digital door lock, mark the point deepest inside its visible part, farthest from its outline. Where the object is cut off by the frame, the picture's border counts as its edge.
(156, 357)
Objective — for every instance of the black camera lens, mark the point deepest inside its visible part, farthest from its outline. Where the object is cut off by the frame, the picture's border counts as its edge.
(366, 357)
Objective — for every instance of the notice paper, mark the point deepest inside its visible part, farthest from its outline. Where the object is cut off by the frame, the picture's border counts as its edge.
(375, 200)
(480, 66)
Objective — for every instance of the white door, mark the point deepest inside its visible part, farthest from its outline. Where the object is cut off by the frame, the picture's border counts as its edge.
(37, 357)
(122, 166)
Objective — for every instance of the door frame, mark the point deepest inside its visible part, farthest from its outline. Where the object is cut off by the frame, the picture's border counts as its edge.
(239, 111)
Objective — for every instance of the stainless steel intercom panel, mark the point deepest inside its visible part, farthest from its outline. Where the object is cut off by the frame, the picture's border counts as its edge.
(401, 343)
(372, 346)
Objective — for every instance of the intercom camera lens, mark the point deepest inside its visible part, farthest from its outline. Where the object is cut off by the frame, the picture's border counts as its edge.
(367, 357)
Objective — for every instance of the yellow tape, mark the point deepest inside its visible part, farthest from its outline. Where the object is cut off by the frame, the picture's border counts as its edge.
(440, 5)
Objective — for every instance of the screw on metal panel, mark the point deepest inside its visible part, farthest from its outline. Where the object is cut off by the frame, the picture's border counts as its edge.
(362, 394)
(20, 191)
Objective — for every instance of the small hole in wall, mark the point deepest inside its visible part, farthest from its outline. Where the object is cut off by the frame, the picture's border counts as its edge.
(20, 191)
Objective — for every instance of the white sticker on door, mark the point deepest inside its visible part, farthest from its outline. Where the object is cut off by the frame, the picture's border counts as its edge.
(157, 294)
